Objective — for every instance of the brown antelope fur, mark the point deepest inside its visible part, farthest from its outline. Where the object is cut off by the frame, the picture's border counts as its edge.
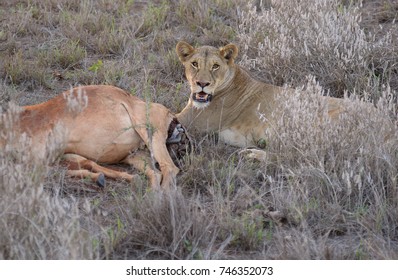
(111, 129)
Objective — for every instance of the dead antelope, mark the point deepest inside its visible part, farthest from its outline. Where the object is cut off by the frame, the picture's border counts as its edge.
(114, 127)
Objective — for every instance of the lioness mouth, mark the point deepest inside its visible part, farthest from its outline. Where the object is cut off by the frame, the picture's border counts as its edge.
(202, 97)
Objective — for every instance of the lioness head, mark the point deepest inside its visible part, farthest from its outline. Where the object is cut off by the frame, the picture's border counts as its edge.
(207, 69)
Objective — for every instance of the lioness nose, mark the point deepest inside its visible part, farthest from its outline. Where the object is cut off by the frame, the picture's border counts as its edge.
(202, 84)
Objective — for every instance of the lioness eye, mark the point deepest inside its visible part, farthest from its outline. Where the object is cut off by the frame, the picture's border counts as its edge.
(215, 67)
(194, 64)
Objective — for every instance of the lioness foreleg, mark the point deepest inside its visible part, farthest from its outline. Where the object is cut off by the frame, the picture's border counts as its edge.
(253, 153)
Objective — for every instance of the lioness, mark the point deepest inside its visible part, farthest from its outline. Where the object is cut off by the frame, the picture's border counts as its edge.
(111, 129)
(226, 99)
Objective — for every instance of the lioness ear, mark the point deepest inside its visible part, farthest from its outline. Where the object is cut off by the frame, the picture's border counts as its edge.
(229, 52)
(184, 50)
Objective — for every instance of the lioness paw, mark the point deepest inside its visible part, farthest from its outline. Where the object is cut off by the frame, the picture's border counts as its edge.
(256, 154)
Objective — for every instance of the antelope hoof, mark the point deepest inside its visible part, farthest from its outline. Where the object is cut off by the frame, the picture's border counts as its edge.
(101, 181)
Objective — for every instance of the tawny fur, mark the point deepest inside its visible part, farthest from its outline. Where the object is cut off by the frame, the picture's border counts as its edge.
(237, 98)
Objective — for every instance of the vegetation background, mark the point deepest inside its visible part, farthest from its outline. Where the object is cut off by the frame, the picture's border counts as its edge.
(329, 191)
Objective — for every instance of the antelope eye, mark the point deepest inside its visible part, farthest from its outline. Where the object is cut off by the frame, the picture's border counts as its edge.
(194, 64)
(215, 67)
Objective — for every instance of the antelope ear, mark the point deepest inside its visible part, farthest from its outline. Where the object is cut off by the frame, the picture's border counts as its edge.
(184, 50)
(229, 52)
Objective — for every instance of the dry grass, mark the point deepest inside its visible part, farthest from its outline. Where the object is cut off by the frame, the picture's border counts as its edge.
(327, 190)
(283, 48)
